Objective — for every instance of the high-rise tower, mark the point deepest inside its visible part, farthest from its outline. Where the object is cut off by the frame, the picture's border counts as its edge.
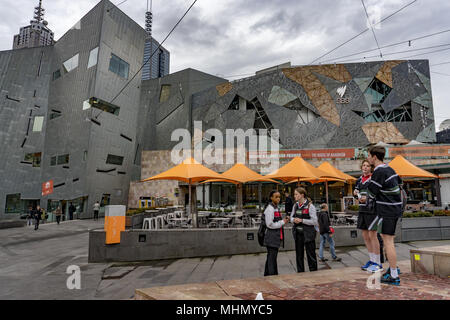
(36, 34)
(159, 63)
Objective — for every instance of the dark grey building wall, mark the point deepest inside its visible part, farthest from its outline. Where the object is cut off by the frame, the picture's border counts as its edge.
(124, 38)
(160, 119)
(104, 27)
(70, 133)
(24, 78)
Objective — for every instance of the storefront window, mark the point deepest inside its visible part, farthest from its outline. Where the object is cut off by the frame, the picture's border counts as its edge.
(106, 198)
(13, 203)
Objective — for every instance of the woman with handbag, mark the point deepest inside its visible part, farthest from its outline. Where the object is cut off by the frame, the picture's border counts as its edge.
(274, 235)
(305, 222)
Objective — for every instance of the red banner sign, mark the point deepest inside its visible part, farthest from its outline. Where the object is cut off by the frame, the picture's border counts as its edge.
(420, 151)
(307, 154)
(47, 188)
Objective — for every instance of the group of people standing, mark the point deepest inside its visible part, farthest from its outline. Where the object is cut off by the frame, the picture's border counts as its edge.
(306, 224)
(379, 193)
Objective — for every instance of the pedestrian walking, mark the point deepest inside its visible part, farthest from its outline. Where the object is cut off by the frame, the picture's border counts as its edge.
(305, 222)
(37, 215)
(326, 233)
(30, 216)
(58, 214)
(274, 236)
(384, 190)
(288, 204)
(72, 209)
(366, 216)
(96, 210)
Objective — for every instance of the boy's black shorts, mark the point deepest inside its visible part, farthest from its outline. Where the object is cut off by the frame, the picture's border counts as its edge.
(365, 220)
(384, 225)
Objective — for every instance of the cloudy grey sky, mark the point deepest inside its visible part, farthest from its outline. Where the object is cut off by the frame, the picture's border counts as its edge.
(231, 38)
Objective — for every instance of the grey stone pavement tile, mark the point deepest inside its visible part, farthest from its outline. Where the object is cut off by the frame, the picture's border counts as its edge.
(34, 265)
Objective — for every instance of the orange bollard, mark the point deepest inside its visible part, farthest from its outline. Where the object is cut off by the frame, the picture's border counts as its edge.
(114, 223)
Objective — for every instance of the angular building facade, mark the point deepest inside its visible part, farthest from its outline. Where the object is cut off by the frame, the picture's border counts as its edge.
(346, 105)
(58, 101)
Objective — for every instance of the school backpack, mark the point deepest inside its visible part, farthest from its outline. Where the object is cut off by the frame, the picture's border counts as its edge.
(262, 230)
(404, 197)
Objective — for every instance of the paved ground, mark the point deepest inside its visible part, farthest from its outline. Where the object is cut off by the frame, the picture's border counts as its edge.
(34, 264)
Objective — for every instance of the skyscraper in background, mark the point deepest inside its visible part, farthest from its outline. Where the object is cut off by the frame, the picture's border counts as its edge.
(36, 34)
(159, 64)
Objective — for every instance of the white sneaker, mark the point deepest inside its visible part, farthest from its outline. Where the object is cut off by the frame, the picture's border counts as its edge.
(375, 268)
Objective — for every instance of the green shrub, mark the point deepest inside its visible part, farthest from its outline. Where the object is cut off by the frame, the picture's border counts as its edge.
(132, 212)
(250, 206)
(353, 207)
(418, 214)
(442, 213)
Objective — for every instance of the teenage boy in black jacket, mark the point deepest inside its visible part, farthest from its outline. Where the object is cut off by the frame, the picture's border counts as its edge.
(325, 233)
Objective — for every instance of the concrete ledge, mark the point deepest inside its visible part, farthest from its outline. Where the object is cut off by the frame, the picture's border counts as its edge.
(434, 260)
(6, 224)
(421, 234)
(146, 245)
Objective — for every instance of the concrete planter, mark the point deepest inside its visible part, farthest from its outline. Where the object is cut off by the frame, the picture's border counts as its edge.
(426, 222)
(143, 245)
(428, 228)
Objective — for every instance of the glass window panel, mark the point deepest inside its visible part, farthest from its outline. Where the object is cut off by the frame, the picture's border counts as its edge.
(54, 115)
(112, 159)
(71, 64)
(53, 161)
(34, 158)
(37, 160)
(93, 57)
(165, 93)
(13, 203)
(56, 74)
(38, 123)
(105, 106)
(119, 66)
(63, 159)
(86, 104)
(106, 198)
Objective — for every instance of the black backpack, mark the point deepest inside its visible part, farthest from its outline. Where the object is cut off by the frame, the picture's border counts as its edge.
(404, 197)
(262, 230)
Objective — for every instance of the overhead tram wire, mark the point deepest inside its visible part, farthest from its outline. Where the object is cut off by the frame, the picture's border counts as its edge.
(371, 27)
(393, 53)
(159, 46)
(439, 64)
(362, 32)
(386, 46)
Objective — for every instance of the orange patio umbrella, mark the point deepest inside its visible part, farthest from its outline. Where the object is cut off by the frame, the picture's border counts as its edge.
(240, 174)
(329, 168)
(300, 170)
(189, 171)
(406, 169)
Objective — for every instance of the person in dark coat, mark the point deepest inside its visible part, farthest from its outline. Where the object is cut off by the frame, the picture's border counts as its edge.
(37, 213)
(305, 222)
(289, 203)
(274, 236)
(58, 214)
(30, 215)
(325, 233)
(72, 209)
